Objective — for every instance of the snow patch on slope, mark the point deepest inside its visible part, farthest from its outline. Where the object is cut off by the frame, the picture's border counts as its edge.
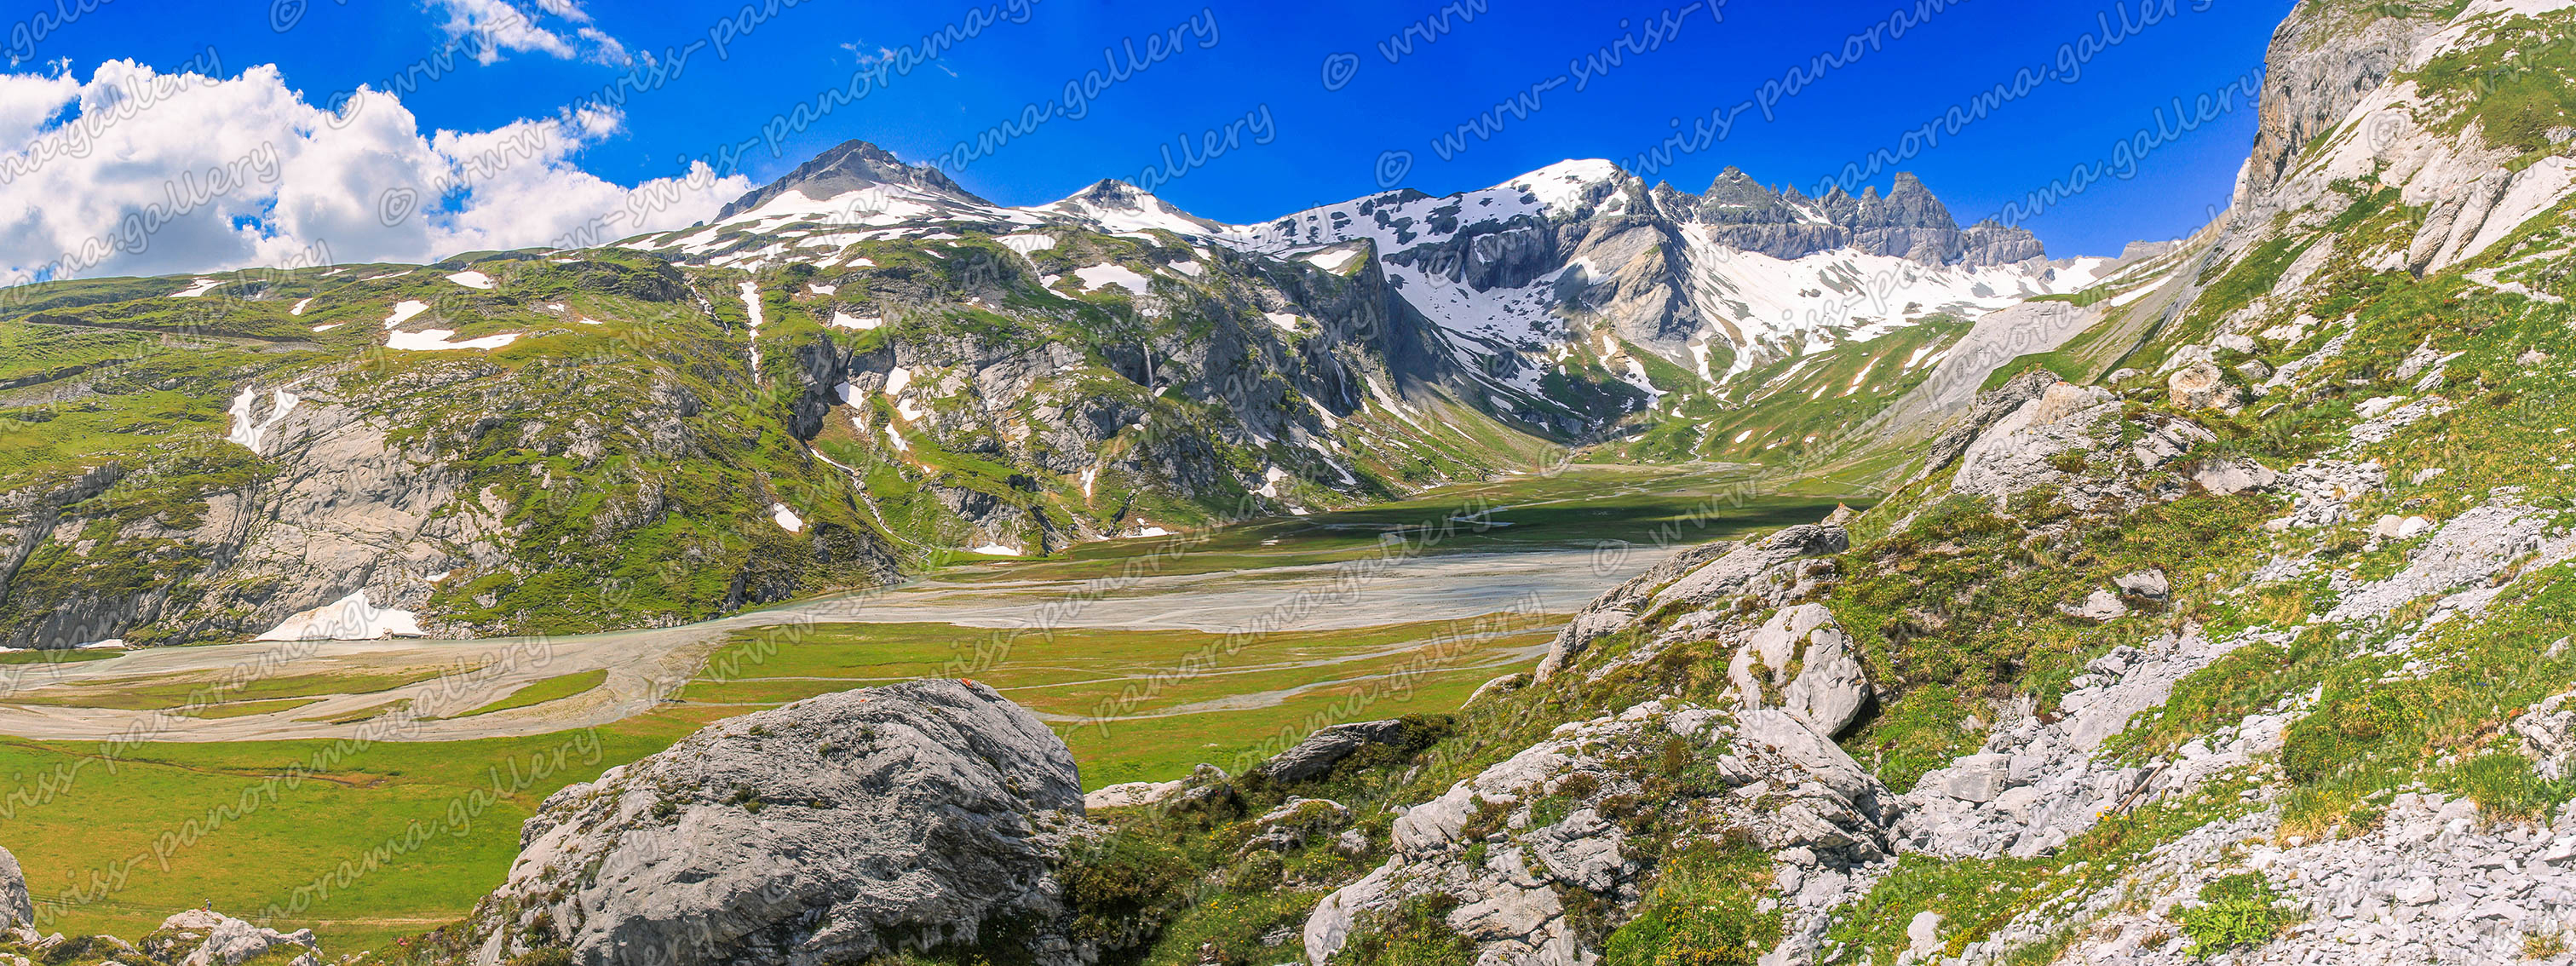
(350, 618)
(249, 433)
(404, 311)
(1098, 277)
(435, 340)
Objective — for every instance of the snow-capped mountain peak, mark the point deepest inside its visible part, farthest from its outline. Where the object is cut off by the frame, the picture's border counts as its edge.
(850, 167)
(1115, 206)
(1568, 187)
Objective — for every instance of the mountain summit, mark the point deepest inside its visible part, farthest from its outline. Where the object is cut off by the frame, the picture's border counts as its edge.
(854, 165)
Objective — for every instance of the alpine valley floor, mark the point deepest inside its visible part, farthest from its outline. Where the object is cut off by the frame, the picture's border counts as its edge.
(147, 778)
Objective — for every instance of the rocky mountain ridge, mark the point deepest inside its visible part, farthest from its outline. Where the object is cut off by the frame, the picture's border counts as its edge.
(1909, 223)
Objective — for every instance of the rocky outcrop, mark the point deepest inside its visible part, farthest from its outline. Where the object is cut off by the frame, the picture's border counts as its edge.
(2465, 552)
(1510, 866)
(2200, 385)
(2040, 781)
(1990, 408)
(2022, 450)
(906, 819)
(203, 937)
(2322, 491)
(1618, 607)
(2433, 880)
(2322, 63)
(1203, 781)
(1733, 573)
(2547, 731)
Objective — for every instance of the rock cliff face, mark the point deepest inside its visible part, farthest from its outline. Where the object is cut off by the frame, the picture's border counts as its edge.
(923, 818)
(1908, 223)
(2324, 60)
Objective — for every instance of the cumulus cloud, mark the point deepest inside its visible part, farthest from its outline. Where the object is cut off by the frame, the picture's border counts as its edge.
(27, 101)
(136, 172)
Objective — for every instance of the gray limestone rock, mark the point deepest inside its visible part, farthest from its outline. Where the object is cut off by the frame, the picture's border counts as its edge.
(2150, 583)
(1990, 408)
(1315, 757)
(2018, 452)
(2548, 734)
(1139, 794)
(2200, 385)
(2100, 605)
(1616, 608)
(2227, 477)
(17, 907)
(203, 937)
(1831, 688)
(1730, 574)
(899, 819)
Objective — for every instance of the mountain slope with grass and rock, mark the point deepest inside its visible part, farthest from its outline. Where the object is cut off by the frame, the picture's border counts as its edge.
(862, 371)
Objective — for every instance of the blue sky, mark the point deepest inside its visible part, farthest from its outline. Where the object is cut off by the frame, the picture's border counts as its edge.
(1328, 145)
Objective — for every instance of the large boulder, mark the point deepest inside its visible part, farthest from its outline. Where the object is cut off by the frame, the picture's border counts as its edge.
(1142, 794)
(1830, 689)
(926, 816)
(17, 907)
(2200, 385)
(1315, 757)
(2021, 450)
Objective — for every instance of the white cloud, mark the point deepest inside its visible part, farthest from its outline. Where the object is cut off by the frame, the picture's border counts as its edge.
(187, 173)
(27, 101)
(605, 49)
(489, 27)
(567, 9)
